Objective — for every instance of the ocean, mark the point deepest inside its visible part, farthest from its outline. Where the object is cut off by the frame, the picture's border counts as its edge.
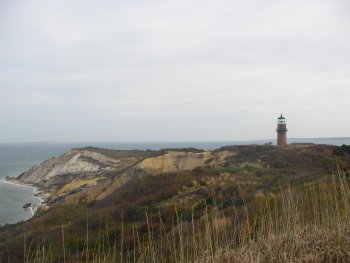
(16, 158)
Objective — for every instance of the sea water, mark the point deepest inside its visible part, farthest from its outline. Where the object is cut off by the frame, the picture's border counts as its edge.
(16, 158)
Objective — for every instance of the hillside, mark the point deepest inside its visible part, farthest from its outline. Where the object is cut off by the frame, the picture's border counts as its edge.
(122, 195)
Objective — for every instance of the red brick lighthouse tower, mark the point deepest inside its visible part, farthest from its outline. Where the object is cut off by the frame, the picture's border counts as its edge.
(281, 132)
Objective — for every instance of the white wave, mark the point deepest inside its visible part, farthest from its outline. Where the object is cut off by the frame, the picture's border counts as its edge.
(31, 210)
(4, 181)
(35, 190)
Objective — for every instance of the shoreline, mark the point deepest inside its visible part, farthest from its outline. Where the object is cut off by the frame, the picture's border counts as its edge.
(36, 192)
(35, 198)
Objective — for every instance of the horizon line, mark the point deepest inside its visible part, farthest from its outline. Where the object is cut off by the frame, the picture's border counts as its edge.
(185, 141)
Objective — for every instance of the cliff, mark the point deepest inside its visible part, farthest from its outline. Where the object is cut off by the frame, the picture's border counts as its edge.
(73, 162)
(143, 192)
(93, 173)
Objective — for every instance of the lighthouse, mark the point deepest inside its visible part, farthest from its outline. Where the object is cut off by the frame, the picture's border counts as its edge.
(281, 131)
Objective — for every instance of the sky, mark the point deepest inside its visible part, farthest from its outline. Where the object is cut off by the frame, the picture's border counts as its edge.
(184, 70)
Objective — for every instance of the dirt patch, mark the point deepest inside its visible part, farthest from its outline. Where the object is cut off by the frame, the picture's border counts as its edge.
(76, 184)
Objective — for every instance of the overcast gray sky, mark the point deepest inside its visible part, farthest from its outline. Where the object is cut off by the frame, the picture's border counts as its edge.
(184, 70)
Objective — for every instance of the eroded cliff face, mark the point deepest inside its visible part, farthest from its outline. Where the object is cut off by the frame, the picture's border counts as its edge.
(73, 162)
(171, 162)
(83, 174)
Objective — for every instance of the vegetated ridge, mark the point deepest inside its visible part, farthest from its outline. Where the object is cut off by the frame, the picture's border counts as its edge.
(91, 192)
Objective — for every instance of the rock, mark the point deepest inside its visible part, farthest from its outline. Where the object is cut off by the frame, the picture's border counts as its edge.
(55, 200)
(73, 162)
(74, 191)
(78, 163)
(27, 205)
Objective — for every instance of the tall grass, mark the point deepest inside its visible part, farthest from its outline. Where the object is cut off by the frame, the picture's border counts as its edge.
(301, 223)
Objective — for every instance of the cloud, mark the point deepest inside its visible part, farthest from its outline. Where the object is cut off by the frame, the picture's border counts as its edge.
(172, 70)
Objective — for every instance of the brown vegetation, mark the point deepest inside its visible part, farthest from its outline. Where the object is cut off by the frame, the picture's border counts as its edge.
(243, 210)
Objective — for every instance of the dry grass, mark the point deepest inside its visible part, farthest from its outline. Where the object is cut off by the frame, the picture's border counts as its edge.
(308, 223)
(303, 244)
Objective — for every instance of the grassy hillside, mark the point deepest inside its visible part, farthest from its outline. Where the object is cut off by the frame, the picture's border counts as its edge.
(262, 204)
